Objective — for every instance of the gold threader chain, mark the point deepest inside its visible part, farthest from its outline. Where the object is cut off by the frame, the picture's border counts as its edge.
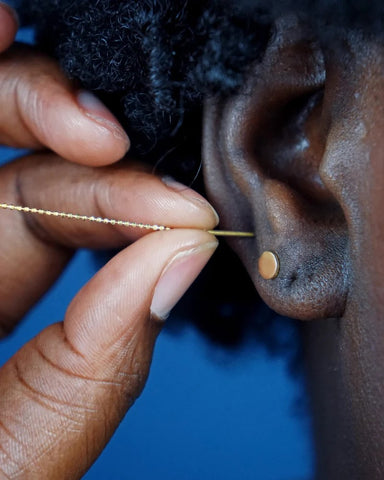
(109, 221)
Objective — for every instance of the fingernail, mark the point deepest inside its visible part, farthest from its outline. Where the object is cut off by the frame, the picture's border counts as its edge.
(189, 194)
(178, 277)
(96, 110)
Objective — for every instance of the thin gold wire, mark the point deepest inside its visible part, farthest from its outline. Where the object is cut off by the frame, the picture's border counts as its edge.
(110, 221)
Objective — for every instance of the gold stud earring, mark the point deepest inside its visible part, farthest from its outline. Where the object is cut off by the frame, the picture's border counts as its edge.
(269, 265)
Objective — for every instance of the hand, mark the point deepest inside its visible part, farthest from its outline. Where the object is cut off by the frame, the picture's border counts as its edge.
(65, 392)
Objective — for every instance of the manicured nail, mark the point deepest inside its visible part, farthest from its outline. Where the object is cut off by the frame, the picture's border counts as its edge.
(178, 277)
(189, 194)
(96, 110)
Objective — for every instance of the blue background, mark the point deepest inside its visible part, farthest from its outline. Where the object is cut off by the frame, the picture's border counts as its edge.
(204, 414)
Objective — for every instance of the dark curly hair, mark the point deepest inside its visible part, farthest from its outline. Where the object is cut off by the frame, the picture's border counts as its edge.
(153, 61)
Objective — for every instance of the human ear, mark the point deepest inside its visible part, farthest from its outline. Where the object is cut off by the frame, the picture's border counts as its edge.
(266, 153)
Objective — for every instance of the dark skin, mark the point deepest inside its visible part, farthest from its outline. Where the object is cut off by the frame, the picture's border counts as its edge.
(297, 156)
(66, 391)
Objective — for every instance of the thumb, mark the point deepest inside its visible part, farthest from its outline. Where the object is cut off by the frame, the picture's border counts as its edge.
(65, 392)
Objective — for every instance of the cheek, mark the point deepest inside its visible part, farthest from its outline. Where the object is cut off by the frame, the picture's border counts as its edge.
(353, 169)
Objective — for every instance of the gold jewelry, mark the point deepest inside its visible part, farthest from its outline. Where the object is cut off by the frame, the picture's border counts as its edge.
(109, 221)
(269, 265)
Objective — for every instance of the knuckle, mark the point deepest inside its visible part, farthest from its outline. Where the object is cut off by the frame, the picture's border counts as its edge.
(31, 100)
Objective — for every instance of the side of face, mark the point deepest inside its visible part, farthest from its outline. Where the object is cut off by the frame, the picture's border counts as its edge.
(297, 157)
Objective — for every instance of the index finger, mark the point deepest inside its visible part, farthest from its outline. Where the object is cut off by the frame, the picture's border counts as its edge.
(36, 249)
(40, 107)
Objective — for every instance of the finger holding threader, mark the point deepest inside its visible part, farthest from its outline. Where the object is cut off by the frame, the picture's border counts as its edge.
(127, 192)
(35, 249)
(40, 108)
(65, 392)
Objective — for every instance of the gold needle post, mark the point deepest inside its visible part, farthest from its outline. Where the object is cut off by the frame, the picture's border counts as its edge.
(109, 221)
(225, 233)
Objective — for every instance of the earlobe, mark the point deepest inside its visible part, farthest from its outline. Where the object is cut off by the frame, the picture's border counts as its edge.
(263, 151)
